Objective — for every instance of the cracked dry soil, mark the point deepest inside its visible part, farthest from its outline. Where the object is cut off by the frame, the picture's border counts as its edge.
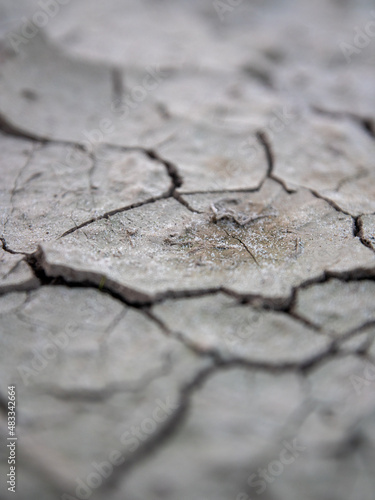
(187, 260)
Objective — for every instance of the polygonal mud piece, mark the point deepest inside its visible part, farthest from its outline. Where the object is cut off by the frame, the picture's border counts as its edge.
(121, 178)
(15, 273)
(96, 33)
(367, 230)
(47, 193)
(195, 89)
(60, 90)
(61, 187)
(323, 66)
(11, 301)
(337, 306)
(96, 367)
(360, 342)
(334, 158)
(305, 35)
(242, 206)
(15, 154)
(86, 337)
(162, 249)
(344, 391)
(212, 158)
(106, 31)
(70, 100)
(355, 195)
(241, 332)
(344, 468)
(343, 91)
(234, 418)
(217, 99)
(343, 396)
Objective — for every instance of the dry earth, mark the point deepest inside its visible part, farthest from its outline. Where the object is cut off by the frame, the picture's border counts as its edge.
(187, 271)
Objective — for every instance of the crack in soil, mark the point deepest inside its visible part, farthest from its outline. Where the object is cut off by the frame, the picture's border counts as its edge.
(265, 142)
(359, 233)
(365, 123)
(243, 244)
(105, 393)
(172, 426)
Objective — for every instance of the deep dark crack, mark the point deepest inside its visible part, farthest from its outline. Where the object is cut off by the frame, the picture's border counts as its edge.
(359, 233)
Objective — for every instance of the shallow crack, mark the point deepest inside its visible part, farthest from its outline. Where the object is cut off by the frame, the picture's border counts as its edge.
(237, 361)
(265, 142)
(180, 337)
(178, 197)
(162, 110)
(173, 174)
(105, 393)
(366, 123)
(357, 221)
(8, 128)
(103, 340)
(91, 174)
(117, 87)
(330, 202)
(115, 211)
(291, 312)
(269, 153)
(219, 191)
(243, 244)
(357, 331)
(172, 426)
(165, 432)
(15, 185)
(355, 177)
(176, 180)
(11, 270)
